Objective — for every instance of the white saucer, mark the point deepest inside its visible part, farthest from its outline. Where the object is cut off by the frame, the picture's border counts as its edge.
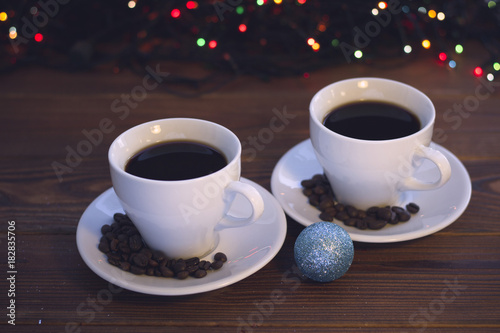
(248, 248)
(438, 208)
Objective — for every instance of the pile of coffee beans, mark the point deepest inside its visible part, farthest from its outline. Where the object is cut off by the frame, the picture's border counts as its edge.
(320, 195)
(125, 248)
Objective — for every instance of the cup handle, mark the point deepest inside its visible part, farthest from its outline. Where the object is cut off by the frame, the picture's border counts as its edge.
(254, 198)
(442, 163)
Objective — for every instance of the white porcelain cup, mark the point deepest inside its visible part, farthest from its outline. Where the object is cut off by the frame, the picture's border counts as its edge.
(366, 173)
(182, 218)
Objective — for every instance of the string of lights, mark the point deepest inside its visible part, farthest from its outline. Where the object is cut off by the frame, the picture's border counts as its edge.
(259, 37)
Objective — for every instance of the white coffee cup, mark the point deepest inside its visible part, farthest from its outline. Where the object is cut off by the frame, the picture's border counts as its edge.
(181, 218)
(366, 173)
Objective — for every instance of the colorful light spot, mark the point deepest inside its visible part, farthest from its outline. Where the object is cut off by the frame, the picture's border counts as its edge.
(175, 13)
(200, 42)
(478, 71)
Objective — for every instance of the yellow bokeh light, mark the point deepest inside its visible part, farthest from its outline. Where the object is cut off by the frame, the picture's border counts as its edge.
(3, 16)
(432, 13)
(382, 5)
(278, 2)
(426, 44)
(131, 4)
(13, 34)
(315, 46)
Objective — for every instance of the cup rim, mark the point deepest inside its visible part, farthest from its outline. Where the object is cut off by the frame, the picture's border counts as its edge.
(114, 164)
(322, 127)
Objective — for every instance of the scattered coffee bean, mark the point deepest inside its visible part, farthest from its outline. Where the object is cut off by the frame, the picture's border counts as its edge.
(200, 273)
(125, 248)
(320, 195)
(219, 256)
(217, 264)
(412, 208)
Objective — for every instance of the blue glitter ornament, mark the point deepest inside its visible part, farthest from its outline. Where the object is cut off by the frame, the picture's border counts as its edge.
(324, 251)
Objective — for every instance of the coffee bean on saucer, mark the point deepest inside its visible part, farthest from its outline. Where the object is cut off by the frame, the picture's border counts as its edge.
(320, 195)
(216, 264)
(412, 207)
(182, 275)
(377, 224)
(384, 213)
(200, 273)
(325, 216)
(125, 249)
(219, 256)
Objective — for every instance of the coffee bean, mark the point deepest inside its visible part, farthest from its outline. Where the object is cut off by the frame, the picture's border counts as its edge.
(137, 270)
(182, 275)
(135, 243)
(125, 265)
(342, 216)
(308, 183)
(314, 200)
(404, 216)
(123, 247)
(113, 262)
(319, 190)
(384, 214)
(377, 224)
(339, 207)
(147, 252)
(153, 263)
(192, 268)
(397, 209)
(412, 207)
(351, 211)
(166, 272)
(351, 222)
(217, 264)
(324, 216)
(372, 211)
(200, 273)
(193, 261)
(361, 224)
(104, 245)
(394, 218)
(114, 244)
(140, 260)
(219, 256)
(179, 266)
(105, 229)
(326, 203)
(307, 192)
(204, 265)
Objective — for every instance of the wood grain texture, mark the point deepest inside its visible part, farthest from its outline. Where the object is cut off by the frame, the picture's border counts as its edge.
(398, 287)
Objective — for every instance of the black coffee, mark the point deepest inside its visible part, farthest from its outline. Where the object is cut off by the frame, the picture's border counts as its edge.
(176, 160)
(372, 121)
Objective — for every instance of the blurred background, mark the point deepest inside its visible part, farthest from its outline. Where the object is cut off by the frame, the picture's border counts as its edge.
(262, 38)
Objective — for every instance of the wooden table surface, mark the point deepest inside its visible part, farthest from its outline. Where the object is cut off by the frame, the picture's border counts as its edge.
(445, 282)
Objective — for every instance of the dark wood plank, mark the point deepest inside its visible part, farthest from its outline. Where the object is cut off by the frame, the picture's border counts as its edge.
(399, 287)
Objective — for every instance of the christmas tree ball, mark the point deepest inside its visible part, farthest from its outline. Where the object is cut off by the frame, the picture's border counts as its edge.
(324, 251)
